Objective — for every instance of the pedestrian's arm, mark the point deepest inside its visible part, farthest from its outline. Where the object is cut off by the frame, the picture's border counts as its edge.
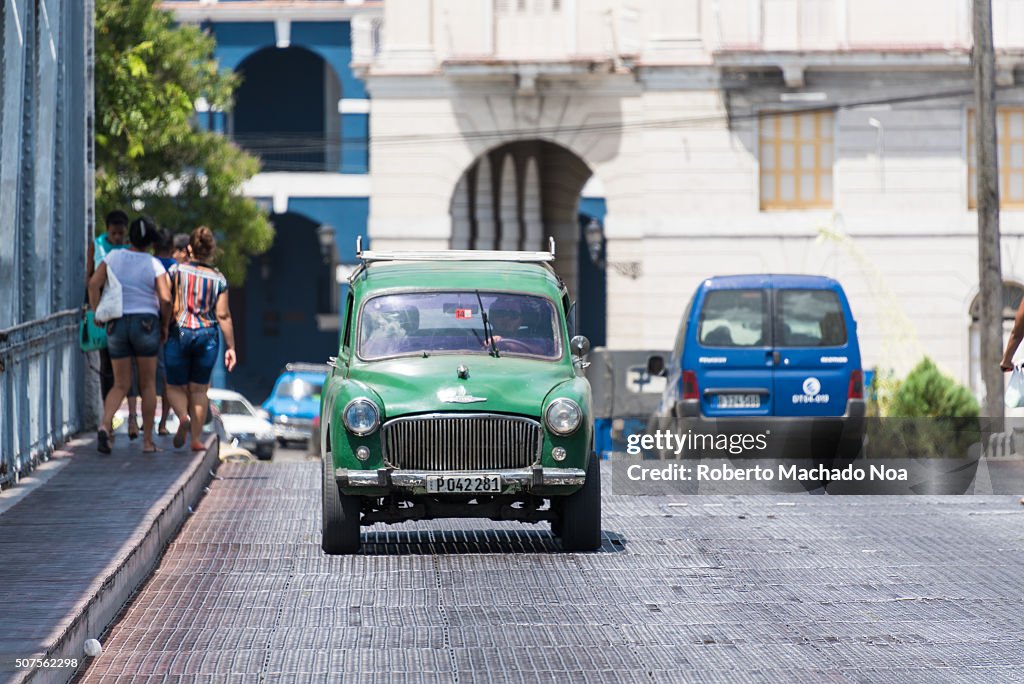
(163, 293)
(1016, 335)
(96, 283)
(226, 329)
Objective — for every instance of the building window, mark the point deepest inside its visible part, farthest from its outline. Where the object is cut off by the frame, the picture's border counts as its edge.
(796, 160)
(1010, 140)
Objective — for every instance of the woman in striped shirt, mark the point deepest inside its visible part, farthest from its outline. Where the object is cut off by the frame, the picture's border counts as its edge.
(201, 313)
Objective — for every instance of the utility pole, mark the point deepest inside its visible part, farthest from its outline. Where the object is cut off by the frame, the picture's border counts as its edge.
(990, 277)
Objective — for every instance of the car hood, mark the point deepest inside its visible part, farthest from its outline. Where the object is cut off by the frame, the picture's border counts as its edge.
(245, 425)
(507, 384)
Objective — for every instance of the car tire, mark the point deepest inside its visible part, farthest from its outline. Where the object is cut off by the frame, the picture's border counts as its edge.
(340, 533)
(556, 521)
(581, 513)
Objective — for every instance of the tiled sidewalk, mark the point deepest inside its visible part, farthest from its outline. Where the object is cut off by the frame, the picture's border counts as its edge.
(74, 549)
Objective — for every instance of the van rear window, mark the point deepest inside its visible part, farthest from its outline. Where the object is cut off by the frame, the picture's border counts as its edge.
(810, 318)
(733, 318)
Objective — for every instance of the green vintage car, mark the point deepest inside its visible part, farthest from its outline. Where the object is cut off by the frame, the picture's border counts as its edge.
(457, 392)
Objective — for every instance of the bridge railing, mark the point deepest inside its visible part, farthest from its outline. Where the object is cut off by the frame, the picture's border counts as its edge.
(41, 390)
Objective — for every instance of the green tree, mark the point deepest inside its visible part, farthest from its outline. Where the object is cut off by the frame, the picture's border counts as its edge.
(149, 74)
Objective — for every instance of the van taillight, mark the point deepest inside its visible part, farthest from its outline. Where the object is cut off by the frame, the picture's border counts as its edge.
(856, 385)
(689, 381)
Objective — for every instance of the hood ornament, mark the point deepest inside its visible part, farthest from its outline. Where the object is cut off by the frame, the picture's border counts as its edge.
(462, 371)
(458, 395)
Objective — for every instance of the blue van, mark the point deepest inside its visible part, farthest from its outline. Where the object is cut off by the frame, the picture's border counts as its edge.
(764, 346)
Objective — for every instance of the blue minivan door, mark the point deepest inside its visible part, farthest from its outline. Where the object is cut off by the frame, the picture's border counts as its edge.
(816, 352)
(732, 354)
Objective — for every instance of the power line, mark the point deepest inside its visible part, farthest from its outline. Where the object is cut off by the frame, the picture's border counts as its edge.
(284, 142)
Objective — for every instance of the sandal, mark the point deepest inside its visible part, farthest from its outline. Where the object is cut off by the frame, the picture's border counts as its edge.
(179, 437)
(198, 446)
(102, 442)
(133, 427)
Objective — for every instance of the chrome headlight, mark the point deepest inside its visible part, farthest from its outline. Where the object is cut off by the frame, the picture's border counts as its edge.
(361, 416)
(563, 416)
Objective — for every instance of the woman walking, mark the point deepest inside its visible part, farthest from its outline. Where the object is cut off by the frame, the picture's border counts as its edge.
(145, 305)
(201, 314)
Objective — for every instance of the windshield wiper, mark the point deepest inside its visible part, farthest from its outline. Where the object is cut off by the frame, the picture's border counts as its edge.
(488, 337)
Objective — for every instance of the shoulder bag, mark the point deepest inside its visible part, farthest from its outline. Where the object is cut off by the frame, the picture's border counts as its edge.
(110, 306)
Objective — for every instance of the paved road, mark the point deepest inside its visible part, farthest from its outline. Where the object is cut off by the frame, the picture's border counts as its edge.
(696, 589)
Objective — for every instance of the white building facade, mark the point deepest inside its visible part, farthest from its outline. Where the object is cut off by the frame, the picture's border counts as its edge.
(724, 136)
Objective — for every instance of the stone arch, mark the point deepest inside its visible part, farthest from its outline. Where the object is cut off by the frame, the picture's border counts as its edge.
(284, 311)
(1013, 292)
(516, 196)
(286, 109)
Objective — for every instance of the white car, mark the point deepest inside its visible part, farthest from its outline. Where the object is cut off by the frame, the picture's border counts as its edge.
(243, 422)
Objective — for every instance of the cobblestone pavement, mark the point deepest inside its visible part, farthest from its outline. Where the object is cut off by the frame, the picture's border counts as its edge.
(696, 589)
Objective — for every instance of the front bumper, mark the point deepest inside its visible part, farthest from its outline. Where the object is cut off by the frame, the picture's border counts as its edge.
(293, 431)
(536, 480)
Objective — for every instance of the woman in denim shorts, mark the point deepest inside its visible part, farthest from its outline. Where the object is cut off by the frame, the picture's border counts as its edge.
(146, 298)
(201, 314)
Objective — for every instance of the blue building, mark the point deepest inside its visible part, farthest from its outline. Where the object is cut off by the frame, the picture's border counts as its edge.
(301, 109)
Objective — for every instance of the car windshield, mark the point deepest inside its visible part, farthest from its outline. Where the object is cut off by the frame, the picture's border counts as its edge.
(297, 388)
(232, 407)
(452, 322)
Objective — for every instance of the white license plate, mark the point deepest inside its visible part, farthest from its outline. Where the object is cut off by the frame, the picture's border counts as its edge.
(739, 401)
(464, 484)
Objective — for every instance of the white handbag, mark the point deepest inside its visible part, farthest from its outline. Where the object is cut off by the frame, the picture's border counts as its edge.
(110, 306)
(1014, 397)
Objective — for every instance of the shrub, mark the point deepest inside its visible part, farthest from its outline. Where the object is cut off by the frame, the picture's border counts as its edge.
(927, 393)
(928, 414)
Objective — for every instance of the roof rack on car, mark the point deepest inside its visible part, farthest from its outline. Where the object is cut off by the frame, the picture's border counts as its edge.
(455, 254)
(305, 366)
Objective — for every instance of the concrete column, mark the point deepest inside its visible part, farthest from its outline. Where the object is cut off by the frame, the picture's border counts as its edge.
(485, 210)
(533, 221)
(462, 228)
(675, 31)
(508, 204)
(408, 36)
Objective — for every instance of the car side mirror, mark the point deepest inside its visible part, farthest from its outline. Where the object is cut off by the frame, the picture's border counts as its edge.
(656, 365)
(579, 345)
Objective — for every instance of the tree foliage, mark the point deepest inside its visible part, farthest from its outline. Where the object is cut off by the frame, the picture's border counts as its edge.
(149, 152)
(927, 393)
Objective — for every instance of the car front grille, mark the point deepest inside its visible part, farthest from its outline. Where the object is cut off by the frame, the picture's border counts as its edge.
(446, 441)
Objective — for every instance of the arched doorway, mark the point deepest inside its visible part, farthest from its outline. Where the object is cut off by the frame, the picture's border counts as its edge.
(287, 309)
(1012, 295)
(286, 110)
(516, 196)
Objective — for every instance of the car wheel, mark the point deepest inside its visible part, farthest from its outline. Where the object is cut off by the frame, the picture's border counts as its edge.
(581, 513)
(340, 515)
(556, 522)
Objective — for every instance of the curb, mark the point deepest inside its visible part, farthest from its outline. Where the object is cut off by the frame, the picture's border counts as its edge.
(97, 612)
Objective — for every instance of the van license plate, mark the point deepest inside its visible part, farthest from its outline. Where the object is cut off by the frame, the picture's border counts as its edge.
(739, 401)
(464, 484)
